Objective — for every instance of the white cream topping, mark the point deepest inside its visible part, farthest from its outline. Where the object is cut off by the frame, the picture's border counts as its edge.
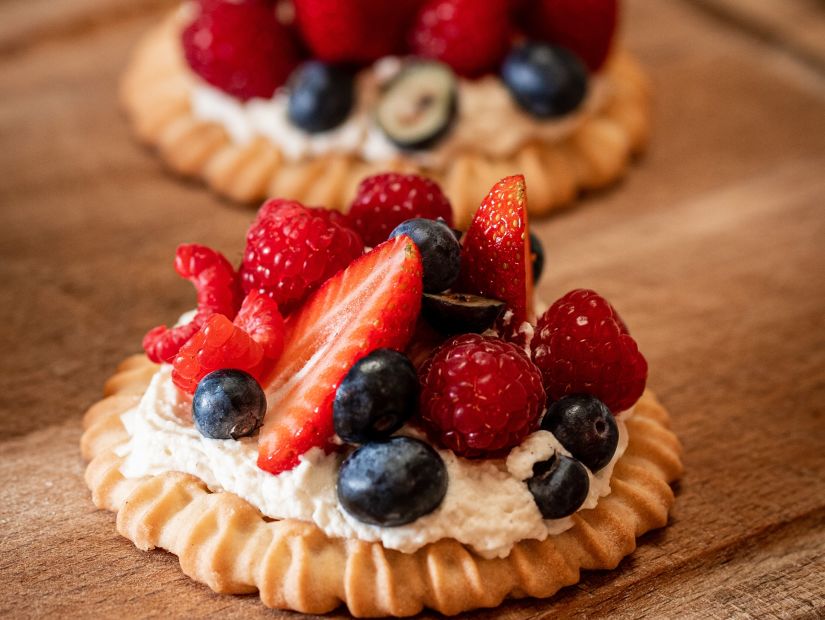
(487, 506)
(488, 120)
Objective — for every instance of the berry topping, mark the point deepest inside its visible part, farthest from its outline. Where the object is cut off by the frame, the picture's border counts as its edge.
(383, 201)
(320, 96)
(460, 313)
(220, 343)
(292, 249)
(495, 259)
(537, 256)
(582, 346)
(559, 486)
(585, 27)
(219, 291)
(379, 394)
(240, 47)
(546, 81)
(228, 404)
(471, 36)
(585, 427)
(480, 396)
(440, 251)
(354, 31)
(372, 304)
(393, 482)
(417, 107)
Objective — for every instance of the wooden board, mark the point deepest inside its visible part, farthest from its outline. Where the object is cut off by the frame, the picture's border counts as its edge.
(712, 250)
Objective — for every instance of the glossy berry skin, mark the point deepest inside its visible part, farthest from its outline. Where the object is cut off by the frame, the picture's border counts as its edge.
(472, 36)
(240, 47)
(585, 427)
(383, 201)
(320, 96)
(460, 313)
(559, 486)
(292, 249)
(252, 343)
(544, 80)
(480, 396)
(440, 251)
(379, 394)
(585, 27)
(219, 291)
(537, 252)
(228, 404)
(582, 346)
(392, 482)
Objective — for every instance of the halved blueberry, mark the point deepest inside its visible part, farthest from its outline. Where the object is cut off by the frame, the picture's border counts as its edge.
(228, 404)
(559, 486)
(321, 96)
(460, 313)
(419, 105)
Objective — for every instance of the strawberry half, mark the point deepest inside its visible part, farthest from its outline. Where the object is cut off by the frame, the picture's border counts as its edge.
(495, 256)
(373, 303)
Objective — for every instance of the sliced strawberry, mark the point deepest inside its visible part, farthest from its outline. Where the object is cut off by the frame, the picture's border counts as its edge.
(495, 257)
(373, 303)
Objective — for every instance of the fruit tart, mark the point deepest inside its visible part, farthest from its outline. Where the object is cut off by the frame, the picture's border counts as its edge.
(386, 429)
(302, 99)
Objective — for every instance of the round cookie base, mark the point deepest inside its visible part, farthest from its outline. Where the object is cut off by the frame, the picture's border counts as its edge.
(223, 541)
(155, 92)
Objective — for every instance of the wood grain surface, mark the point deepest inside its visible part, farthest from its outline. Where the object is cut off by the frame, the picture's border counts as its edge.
(712, 250)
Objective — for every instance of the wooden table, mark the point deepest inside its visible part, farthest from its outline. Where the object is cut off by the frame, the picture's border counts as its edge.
(712, 250)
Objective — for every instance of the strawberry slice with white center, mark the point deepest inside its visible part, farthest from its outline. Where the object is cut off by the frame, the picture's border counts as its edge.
(495, 254)
(371, 304)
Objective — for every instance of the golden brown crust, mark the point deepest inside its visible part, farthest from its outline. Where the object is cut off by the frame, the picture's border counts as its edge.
(224, 542)
(155, 94)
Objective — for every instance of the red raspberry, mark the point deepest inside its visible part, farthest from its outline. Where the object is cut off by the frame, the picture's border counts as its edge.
(581, 345)
(480, 396)
(292, 249)
(240, 47)
(359, 31)
(472, 36)
(219, 291)
(383, 201)
(252, 343)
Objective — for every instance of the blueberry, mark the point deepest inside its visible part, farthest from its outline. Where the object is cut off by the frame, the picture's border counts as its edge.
(392, 482)
(228, 404)
(440, 251)
(559, 486)
(379, 394)
(545, 80)
(320, 96)
(537, 250)
(585, 427)
(460, 313)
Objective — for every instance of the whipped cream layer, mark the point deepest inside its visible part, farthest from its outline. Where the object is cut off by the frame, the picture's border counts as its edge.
(488, 122)
(488, 506)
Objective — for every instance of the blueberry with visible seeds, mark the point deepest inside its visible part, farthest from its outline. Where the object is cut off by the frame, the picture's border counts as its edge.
(440, 251)
(460, 313)
(559, 486)
(585, 427)
(228, 404)
(379, 394)
(545, 80)
(321, 96)
(393, 482)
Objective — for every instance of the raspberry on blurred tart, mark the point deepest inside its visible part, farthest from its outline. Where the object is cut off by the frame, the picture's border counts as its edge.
(334, 424)
(302, 99)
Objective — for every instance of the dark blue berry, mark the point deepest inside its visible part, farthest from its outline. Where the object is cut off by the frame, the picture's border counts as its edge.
(559, 486)
(320, 96)
(440, 251)
(228, 404)
(379, 394)
(537, 250)
(392, 482)
(460, 313)
(545, 80)
(585, 427)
